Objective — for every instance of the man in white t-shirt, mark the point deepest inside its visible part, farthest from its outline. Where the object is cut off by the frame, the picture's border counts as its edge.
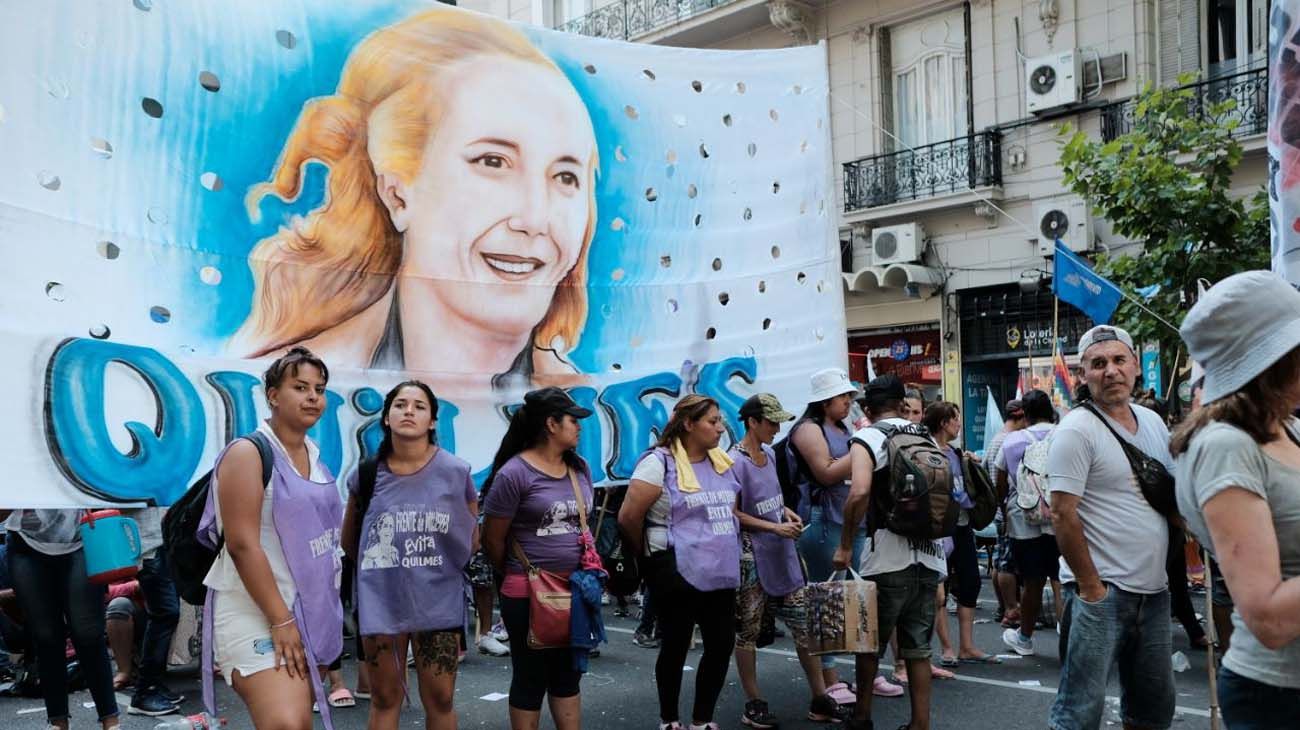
(906, 572)
(1113, 547)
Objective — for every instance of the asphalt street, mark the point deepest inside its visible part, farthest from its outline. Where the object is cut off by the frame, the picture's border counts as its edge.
(619, 691)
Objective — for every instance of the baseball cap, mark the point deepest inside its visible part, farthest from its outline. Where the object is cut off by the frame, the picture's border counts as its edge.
(1105, 333)
(766, 406)
(555, 400)
(1240, 328)
(1015, 408)
(885, 388)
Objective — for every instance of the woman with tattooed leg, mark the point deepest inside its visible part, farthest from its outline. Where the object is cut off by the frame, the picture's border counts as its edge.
(411, 526)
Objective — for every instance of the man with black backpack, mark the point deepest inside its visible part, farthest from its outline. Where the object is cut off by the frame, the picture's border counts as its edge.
(898, 470)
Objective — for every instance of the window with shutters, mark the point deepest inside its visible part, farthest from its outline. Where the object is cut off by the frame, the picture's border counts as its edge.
(1180, 39)
(1214, 38)
(1236, 36)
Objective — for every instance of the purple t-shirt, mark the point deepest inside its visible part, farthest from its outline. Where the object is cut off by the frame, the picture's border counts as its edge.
(543, 514)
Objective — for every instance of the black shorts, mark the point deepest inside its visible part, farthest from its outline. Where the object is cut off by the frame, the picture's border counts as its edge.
(1037, 557)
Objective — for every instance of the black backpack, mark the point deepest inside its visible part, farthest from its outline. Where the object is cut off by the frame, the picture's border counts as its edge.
(787, 471)
(188, 558)
(367, 475)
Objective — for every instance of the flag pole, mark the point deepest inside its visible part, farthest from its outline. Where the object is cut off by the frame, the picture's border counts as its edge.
(1133, 300)
(1056, 341)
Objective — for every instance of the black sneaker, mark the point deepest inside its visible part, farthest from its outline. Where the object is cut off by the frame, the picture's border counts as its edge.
(757, 715)
(150, 703)
(167, 694)
(826, 709)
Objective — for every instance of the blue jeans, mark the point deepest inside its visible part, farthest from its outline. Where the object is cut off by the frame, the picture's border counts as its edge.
(817, 546)
(58, 600)
(1128, 630)
(164, 612)
(1251, 705)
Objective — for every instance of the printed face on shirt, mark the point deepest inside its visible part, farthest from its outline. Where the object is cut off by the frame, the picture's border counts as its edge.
(558, 519)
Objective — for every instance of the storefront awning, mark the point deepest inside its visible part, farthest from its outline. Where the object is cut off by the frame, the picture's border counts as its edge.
(894, 282)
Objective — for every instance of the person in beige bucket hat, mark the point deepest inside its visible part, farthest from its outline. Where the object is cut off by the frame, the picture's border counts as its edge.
(1237, 466)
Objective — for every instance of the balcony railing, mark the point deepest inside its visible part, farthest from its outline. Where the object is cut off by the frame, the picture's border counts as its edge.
(628, 19)
(1248, 88)
(951, 166)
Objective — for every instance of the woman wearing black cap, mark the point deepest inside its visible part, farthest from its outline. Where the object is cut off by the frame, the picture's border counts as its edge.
(532, 498)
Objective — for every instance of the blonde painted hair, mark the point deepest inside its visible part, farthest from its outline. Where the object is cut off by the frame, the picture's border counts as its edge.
(344, 255)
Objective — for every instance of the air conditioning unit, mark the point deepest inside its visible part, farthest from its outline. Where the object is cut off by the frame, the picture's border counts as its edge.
(900, 244)
(1066, 219)
(1053, 81)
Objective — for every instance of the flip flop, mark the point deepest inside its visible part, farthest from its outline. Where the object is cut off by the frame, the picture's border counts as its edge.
(342, 697)
(950, 661)
(939, 673)
(986, 659)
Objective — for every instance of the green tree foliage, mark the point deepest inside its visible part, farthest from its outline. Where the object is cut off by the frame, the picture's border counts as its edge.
(1166, 184)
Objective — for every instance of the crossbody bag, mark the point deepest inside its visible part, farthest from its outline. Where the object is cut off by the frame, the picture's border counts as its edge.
(550, 598)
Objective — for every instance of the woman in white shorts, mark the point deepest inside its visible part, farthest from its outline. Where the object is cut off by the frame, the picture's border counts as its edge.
(277, 619)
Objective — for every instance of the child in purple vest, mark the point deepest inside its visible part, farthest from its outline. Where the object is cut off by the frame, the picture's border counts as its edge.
(530, 504)
(679, 512)
(772, 580)
(274, 617)
(411, 532)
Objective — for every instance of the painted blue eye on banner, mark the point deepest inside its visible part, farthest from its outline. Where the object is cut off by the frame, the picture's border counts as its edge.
(409, 190)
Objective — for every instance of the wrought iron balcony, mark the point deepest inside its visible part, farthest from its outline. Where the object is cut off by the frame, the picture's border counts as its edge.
(1248, 88)
(628, 19)
(951, 166)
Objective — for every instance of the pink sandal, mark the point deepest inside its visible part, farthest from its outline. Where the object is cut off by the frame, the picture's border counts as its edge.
(841, 693)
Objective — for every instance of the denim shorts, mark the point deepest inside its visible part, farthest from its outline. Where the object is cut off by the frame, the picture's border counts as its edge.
(905, 602)
(1128, 631)
(1251, 705)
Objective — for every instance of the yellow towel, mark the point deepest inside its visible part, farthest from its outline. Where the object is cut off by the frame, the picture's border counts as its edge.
(686, 481)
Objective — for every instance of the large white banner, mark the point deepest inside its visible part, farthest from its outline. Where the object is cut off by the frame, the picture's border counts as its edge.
(1284, 136)
(410, 190)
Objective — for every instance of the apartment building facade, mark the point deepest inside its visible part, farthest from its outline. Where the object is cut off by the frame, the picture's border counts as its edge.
(945, 120)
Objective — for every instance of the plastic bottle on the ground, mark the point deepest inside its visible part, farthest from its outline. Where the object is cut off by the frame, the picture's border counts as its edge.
(201, 721)
(1179, 660)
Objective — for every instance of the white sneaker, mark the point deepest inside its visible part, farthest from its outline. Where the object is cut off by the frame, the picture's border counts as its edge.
(489, 645)
(1018, 643)
(499, 632)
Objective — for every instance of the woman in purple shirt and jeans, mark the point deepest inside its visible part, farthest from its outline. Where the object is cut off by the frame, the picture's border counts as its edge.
(529, 500)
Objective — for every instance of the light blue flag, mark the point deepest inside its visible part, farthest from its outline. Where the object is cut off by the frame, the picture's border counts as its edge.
(992, 422)
(1075, 282)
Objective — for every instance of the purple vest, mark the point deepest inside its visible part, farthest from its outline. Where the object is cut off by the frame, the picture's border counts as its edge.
(415, 541)
(776, 559)
(307, 516)
(701, 528)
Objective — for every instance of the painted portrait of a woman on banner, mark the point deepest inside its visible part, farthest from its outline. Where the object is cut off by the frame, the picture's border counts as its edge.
(460, 209)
